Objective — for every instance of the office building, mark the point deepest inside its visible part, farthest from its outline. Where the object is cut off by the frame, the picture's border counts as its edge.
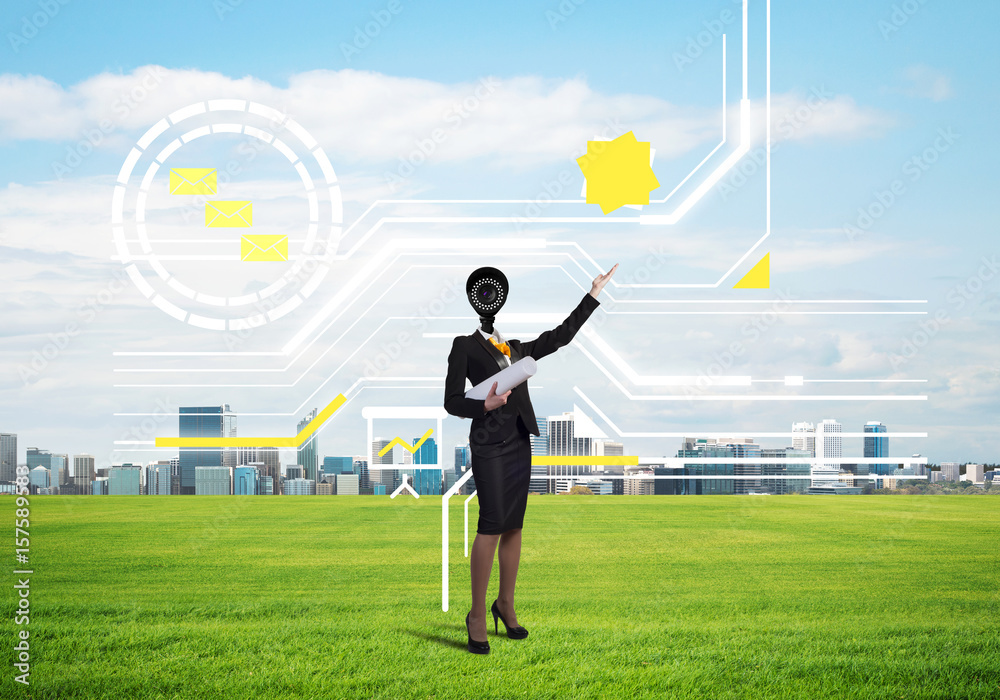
(268, 476)
(338, 465)
(300, 487)
(308, 454)
(246, 481)
(427, 453)
(832, 441)
(563, 443)
(635, 485)
(203, 422)
(804, 437)
(39, 478)
(877, 446)
(99, 486)
(158, 477)
(539, 482)
(974, 473)
(125, 480)
(43, 458)
(782, 486)
(388, 477)
(609, 448)
(361, 469)
(596, 486)
(426, 482)
(270, 458)
(8, 457)
(706, 448)
(213, 481)
(347, 484)
(462, 456)
(950, 471)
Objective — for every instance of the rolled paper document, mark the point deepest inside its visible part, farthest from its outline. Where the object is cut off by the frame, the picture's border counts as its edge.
(506, 379)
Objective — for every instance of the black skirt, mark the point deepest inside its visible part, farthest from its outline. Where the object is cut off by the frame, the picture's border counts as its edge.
(502, 471)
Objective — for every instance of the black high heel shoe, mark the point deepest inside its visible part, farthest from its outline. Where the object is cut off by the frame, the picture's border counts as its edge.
(512, 632)
(474, 646)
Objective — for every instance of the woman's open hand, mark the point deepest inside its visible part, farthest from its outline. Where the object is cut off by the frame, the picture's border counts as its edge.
(601, 280)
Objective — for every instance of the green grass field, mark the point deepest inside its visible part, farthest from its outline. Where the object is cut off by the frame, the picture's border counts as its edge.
(633, 597)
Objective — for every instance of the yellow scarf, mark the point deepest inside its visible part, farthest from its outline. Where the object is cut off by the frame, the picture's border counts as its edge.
(502, 347)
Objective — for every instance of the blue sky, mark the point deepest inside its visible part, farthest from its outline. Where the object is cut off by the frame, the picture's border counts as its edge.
(896, 79)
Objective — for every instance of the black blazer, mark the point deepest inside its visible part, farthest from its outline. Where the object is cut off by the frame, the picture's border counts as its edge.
(474, 357)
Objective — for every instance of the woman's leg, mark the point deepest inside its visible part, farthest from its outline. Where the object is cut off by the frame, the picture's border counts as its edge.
(481, 564)
(510, 557)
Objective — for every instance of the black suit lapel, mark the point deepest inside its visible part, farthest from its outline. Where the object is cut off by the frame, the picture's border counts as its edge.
(497, 356)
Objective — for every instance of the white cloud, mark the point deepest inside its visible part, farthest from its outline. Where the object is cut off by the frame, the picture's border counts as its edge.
(927, 83)
(368, 117)
(799, 115)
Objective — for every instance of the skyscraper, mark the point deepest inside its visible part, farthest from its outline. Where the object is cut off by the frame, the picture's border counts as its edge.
(309, 452)
(427, 453)
(361, 469)
(203, 422)
(388, 476)
(562, 442)
(8, 457)
(806, 437)
(832, 441)
(245, 481)
(462, 457)
(831, 446)
(158, 478)
(877, 447)
(540, 448)
(83, 473)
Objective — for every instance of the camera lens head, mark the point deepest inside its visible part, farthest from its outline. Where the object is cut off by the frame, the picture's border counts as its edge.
(487, 291)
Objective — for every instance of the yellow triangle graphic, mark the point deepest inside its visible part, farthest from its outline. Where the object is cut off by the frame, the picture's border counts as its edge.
(759, 276)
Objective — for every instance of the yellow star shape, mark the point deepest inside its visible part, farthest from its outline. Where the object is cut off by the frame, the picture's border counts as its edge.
(618, 172)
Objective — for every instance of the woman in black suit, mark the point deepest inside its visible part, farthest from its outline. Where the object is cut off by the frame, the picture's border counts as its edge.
(501, 451)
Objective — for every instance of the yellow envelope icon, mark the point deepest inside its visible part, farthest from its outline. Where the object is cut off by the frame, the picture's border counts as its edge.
(263, 248)
(193, 181)
(228, 214)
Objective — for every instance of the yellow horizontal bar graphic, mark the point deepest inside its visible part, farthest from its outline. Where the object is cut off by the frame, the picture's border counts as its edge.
(623, 461)
(400, 441)
(296, 441)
